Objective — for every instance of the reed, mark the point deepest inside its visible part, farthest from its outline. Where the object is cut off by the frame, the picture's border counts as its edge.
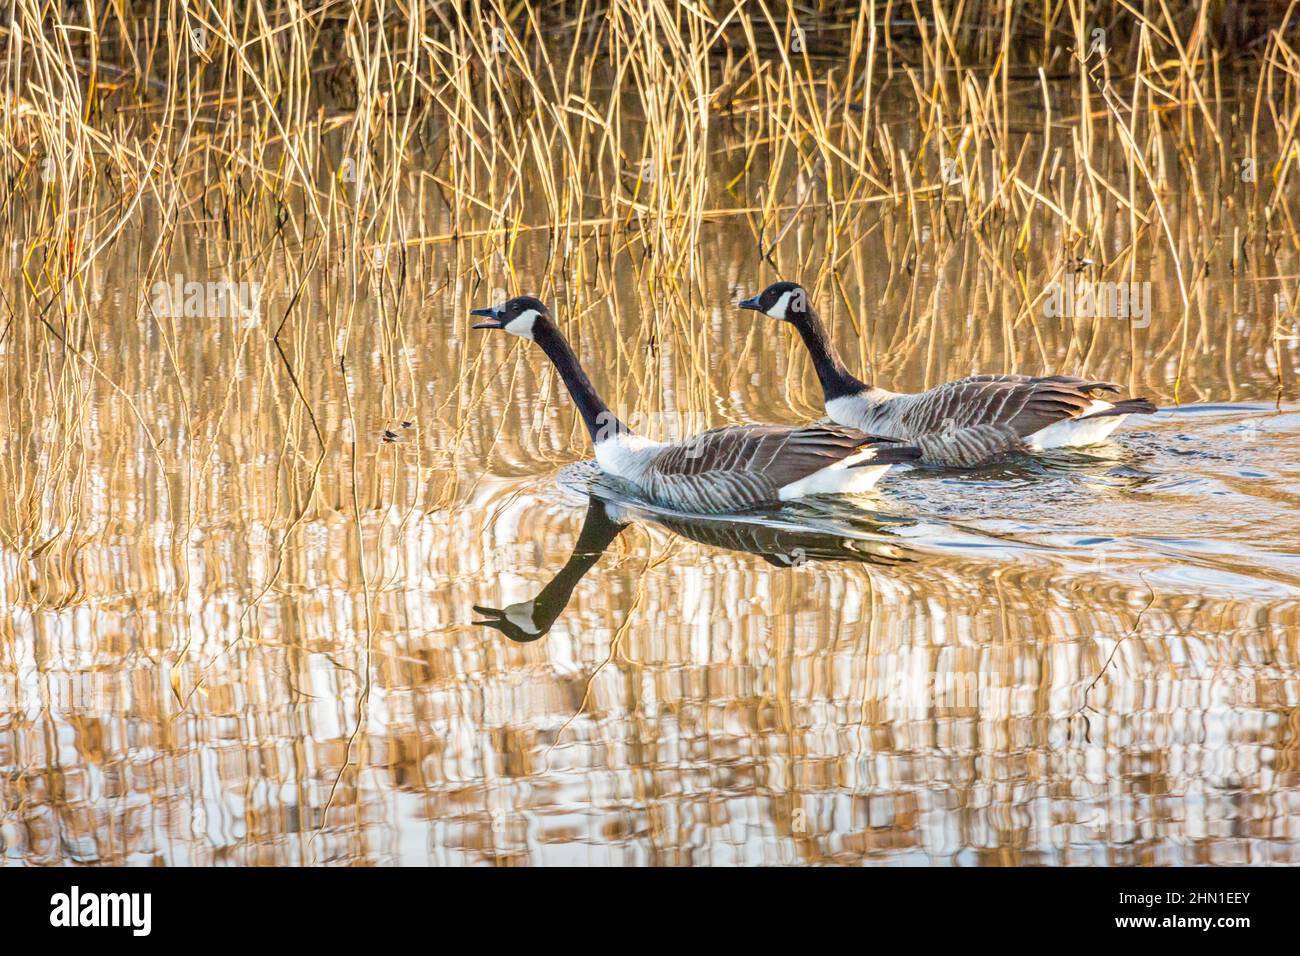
(369, 164)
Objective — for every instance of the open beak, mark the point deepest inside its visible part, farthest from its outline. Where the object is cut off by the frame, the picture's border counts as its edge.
(751, 304)
(496, 618)
(494, 314)
(494, 615)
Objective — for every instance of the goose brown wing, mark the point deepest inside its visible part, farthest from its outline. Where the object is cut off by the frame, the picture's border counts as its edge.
(742, 466)
(1022, 404)
(785, 454)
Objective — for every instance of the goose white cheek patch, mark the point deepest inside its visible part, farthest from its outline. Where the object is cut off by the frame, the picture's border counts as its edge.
(778, 311)
(522, 324)
(521, 616)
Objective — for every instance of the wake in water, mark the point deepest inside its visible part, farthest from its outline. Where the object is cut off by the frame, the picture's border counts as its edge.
(1205, 495)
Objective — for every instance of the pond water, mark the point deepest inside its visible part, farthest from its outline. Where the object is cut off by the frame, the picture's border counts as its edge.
(242, 626)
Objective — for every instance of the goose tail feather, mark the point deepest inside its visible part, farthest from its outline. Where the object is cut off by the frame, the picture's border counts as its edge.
(1128, 406)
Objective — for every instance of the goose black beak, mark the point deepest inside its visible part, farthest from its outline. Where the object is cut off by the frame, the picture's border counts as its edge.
(496, 619)
(751, 303)
(492, 614)
(494, 314)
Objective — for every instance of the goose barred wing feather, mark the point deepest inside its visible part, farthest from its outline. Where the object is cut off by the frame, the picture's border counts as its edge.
(1021, 404)
(970, 446)
(1073, 381)
(742, 466)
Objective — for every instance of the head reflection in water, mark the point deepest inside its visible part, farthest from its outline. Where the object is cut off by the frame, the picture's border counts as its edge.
(527, 621)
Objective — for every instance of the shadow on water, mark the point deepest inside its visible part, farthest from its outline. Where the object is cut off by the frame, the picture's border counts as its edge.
(786, 537)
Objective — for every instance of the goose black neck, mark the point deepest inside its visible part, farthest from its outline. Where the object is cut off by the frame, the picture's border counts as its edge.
(833, 374)
(600, 421)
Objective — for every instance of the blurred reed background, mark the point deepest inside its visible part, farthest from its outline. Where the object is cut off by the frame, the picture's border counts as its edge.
(226, 539)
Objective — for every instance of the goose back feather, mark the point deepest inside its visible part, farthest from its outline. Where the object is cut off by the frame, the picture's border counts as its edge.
(1021, 404)
(975, 419)
(744, 466)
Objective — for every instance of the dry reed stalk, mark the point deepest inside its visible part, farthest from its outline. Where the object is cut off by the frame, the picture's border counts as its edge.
(389, 158)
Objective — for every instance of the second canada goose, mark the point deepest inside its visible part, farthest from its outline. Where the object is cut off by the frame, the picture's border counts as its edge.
(965, 422)
(725, 469)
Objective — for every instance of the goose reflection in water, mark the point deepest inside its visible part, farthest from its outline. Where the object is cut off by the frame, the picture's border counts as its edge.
(527, 621)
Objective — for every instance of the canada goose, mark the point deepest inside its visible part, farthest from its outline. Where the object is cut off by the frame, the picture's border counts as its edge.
(527, 621)
(720, 470)
(962, 423)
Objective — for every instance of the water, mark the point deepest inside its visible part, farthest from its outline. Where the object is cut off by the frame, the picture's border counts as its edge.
(1077, 662)
(225, 642)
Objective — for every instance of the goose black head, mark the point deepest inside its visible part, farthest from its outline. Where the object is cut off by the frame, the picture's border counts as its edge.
(517, 316)
(786, 301)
